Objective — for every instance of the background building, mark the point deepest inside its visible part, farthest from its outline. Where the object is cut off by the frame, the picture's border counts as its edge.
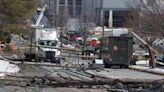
(73, 8)
(110, 13)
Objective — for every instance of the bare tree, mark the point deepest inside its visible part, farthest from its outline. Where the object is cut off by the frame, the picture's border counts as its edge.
(146, 18)
(87, 22)
(61, 21)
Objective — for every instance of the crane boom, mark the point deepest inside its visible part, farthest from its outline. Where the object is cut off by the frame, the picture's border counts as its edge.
(36, 24)
(40, 16)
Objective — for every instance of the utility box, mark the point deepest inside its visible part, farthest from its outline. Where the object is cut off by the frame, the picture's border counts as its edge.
(116, 51)
(96, 64)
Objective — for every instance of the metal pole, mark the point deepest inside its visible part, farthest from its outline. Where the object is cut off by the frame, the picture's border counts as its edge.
(20, 35)
(102, 18)
(103, 25)
(31, 45)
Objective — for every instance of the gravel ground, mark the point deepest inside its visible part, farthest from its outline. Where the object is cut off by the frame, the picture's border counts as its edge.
(42, 71)
(19, 89)
(33, 70)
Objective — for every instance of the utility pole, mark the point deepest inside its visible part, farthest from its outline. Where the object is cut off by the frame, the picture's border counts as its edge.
(102, 17)
(102, 25)
(152, 51)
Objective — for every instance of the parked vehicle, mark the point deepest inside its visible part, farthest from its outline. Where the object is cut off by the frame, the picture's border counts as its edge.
(93, 41)
(160, 58)
(43, 37)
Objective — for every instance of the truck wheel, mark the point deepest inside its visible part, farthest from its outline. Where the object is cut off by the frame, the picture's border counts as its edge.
(124, 66)
(39, 59)
(58, 60)
(55, 61)
(27, 57)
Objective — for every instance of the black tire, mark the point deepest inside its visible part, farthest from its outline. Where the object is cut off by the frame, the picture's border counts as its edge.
(29, 57)
(55, 61)
(39, 59)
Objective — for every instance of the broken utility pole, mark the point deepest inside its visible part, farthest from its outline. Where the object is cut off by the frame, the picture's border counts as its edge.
(152, 51)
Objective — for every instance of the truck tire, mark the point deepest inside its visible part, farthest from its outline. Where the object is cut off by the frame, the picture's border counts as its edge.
(55, 60)
(39, 59)
(58, 60)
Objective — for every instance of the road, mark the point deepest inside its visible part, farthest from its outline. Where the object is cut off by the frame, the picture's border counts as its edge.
(126, 74)
(67, 73)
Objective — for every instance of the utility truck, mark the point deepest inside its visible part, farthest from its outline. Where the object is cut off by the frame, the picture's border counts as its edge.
(44, 37)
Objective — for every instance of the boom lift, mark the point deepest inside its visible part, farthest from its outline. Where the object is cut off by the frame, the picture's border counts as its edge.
(45, 37)
(36, 24)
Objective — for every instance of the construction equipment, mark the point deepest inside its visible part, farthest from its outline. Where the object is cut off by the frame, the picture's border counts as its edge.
(37, 23)
(45, 37)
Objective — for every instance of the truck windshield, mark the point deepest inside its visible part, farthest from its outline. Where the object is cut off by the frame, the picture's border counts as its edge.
(48, 42)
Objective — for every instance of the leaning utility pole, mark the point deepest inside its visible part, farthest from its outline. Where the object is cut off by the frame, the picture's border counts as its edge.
(152, 51)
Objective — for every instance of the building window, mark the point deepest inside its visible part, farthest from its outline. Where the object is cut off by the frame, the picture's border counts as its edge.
(70, 2)
(119, 18)
(78, 11)
(78, 2)
(61, 8)
(70, 10)
(106, 18)
(52, 8)
(62, 2)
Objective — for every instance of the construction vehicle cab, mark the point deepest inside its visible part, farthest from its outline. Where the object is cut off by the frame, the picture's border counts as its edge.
(48, 37)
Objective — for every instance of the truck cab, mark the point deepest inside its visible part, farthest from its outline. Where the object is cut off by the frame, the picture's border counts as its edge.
(47, 37)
